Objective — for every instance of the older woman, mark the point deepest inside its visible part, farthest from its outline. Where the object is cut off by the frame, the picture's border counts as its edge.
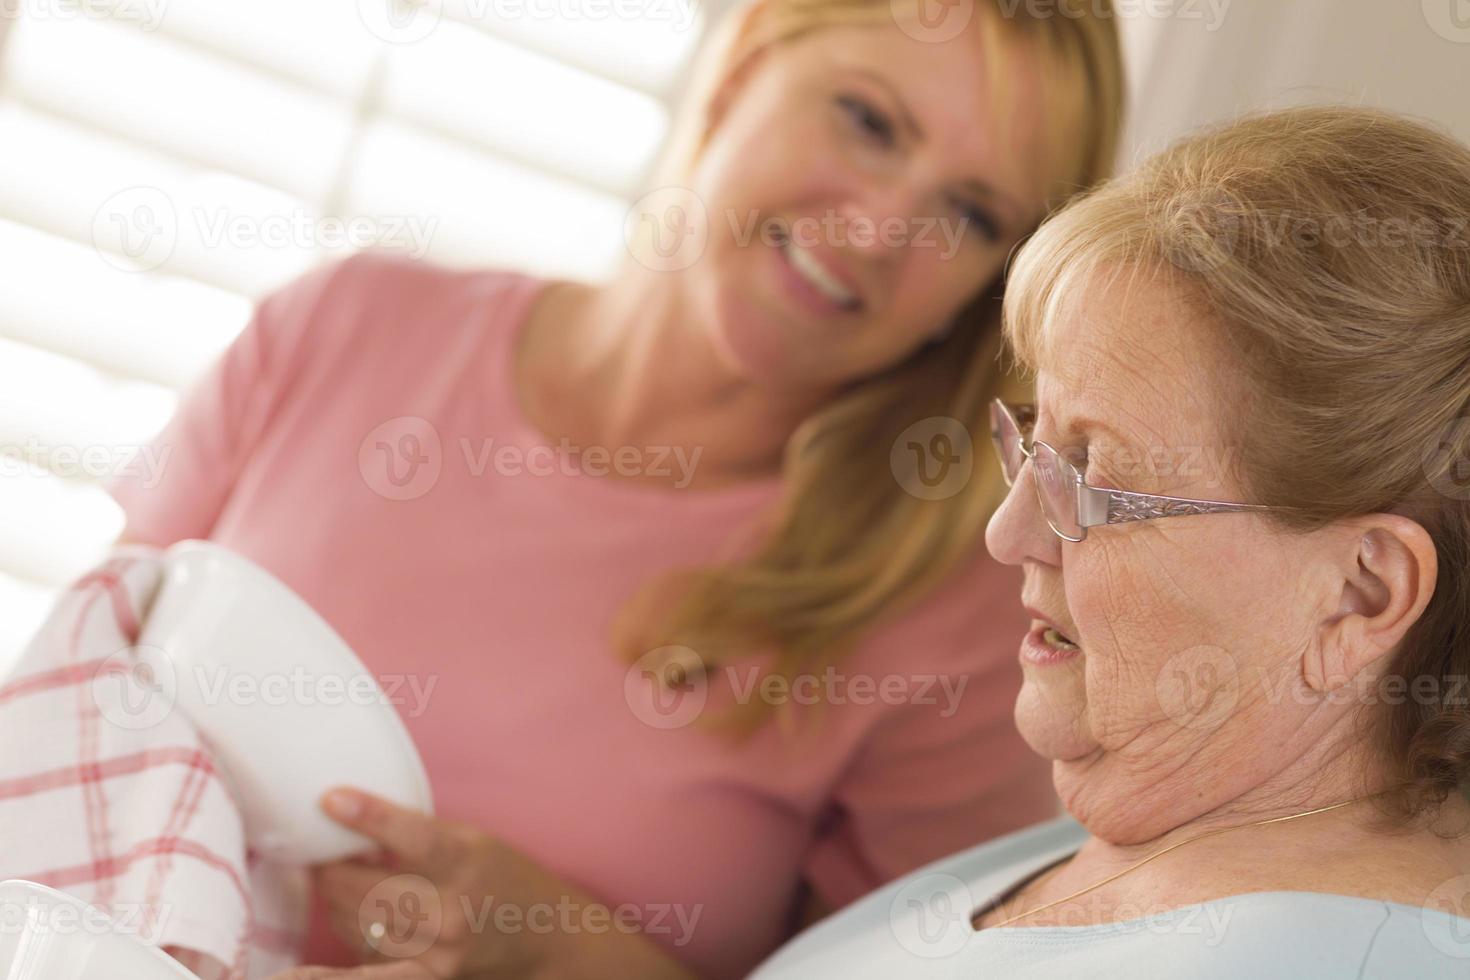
(1241, 512)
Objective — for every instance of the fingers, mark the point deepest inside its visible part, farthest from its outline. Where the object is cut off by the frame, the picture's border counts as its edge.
(348, 891)
(405, 909)
(416, 838)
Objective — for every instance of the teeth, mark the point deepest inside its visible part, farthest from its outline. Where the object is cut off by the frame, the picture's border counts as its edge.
(1053, 638)
(811, 270)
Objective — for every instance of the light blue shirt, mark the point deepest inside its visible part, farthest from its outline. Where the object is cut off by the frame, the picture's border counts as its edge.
(919, 927)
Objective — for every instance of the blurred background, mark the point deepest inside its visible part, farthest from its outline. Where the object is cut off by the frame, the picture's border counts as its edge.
(164, 163)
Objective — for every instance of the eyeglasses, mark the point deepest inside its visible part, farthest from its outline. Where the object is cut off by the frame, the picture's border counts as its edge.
(1068, 503)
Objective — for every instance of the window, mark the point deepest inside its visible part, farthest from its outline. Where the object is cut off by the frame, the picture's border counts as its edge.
(167, 162)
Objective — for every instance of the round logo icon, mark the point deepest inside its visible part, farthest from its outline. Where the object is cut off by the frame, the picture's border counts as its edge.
(930, 915)
(1198, 687)
(136, 230)
(402, 458)
(933, 458)
(667, 687)
(136, 687)
(667, 229)
(400, 21)
(400, 916)
(1204, 232)
(1447, 460)
(1450, 19)
(1449, 933)
(932, 21)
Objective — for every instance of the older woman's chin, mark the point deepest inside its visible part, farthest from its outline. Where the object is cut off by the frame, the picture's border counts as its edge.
(1051, 713)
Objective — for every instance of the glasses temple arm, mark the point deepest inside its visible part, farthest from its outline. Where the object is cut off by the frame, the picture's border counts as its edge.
(1096, 506)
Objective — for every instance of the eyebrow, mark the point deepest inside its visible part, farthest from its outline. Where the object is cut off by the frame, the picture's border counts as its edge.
(1082, 424)
(979, 187)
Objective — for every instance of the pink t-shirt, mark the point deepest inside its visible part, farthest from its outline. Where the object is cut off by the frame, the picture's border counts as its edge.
(361, 440)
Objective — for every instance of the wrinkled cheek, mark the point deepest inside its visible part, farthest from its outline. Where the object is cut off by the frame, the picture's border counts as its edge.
(1095, 593)
(1111, 601)
(1129, 709)
(1112, 718)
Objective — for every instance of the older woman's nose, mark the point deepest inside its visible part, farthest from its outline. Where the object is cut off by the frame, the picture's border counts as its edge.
(1017, 531)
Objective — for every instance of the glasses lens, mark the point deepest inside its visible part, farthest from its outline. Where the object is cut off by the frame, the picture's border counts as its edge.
(1056, 486)
(1007, 440)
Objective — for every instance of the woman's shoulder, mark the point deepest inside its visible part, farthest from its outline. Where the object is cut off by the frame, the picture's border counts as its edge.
(380, 311)
(376, 285)
(1285, 934)
(918, 926)
(1366, 937)
(921, 917)
(1270, 935)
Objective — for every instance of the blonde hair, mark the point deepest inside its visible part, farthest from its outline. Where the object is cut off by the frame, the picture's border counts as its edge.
(847, 543)
(1329, 246)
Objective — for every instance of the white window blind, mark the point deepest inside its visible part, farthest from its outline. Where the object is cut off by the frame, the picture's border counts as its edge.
(164, 163)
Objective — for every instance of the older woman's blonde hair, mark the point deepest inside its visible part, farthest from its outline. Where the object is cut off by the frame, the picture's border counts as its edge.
(1331, 247)
(848, 545)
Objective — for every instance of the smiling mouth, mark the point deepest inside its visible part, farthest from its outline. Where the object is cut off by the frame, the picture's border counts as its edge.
(815, 275)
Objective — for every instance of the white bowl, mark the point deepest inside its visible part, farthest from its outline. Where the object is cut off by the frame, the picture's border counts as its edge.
(285, 706)
(46, 934)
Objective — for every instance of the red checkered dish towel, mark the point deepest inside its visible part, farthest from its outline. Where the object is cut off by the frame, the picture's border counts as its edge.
(109, 794)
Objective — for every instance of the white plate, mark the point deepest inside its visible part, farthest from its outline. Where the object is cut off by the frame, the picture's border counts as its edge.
(47, 934)
(286, 707)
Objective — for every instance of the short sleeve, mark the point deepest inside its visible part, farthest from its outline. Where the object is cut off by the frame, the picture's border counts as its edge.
(947, 769)
(196, 459)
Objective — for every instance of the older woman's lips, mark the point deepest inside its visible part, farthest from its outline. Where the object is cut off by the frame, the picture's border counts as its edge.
(1036, 650)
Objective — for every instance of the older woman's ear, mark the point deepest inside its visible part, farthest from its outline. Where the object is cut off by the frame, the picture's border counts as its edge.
(1389, 569)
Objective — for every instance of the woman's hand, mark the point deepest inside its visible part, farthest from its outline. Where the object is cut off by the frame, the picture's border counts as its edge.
(436, 893)
(420, 898)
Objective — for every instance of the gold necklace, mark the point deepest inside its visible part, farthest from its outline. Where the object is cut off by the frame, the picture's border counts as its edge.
(1165, 850)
